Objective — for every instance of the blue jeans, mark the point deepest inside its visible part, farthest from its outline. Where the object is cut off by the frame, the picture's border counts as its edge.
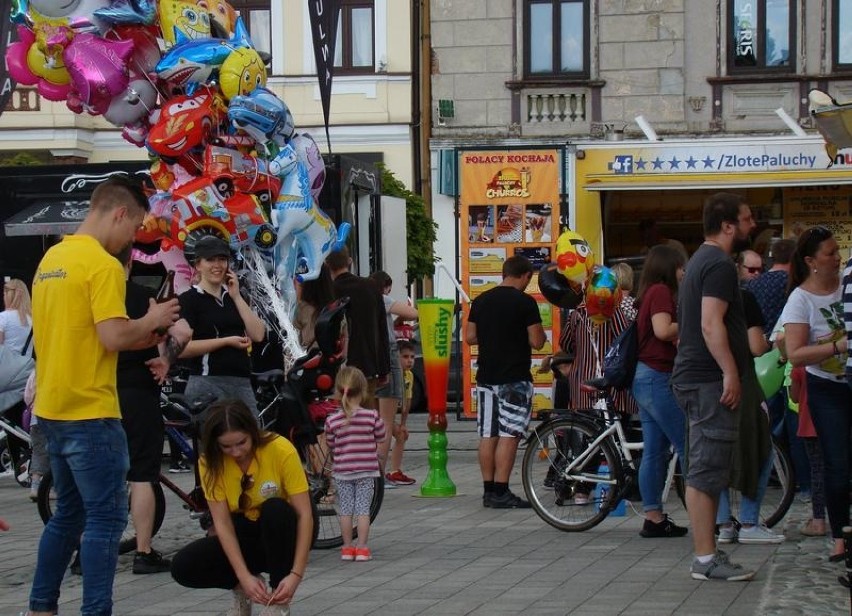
(663, 424)
(89, 463)
(830, 404)
(749, 508)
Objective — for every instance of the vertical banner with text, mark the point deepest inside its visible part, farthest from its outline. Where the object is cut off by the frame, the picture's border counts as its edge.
(509, 205)
(324, 15)
(7, 37)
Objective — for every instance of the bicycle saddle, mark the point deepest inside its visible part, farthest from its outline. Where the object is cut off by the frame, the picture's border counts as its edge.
(268, 377)
(599, 384)
(192, 407)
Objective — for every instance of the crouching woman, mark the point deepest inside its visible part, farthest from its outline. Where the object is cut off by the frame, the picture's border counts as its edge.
(258, 496)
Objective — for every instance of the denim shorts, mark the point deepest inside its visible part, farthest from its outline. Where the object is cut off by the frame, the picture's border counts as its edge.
(712, 435)
(393, 388)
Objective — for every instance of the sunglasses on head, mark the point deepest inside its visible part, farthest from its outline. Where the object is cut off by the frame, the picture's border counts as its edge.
(245, 485)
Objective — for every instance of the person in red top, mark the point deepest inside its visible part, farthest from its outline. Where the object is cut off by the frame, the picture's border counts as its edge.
(663, 422)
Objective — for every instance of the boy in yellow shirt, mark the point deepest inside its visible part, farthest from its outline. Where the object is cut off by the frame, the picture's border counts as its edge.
(400, 431)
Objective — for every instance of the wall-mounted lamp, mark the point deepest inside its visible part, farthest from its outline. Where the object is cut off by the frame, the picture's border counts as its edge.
(650, 133)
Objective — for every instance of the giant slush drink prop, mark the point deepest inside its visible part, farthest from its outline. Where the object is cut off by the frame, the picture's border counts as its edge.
(436, 326)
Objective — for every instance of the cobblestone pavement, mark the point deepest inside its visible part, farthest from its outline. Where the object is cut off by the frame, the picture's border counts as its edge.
(451, 556)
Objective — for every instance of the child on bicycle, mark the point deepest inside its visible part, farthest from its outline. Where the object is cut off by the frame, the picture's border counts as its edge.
(353, 434)
(400, 430)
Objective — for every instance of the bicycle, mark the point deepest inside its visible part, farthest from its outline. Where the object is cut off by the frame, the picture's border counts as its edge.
(587, 451)
(185, 434)
(294, 405)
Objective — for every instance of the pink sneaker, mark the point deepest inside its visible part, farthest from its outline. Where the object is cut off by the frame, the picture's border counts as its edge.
(363, 554)
(347, 552)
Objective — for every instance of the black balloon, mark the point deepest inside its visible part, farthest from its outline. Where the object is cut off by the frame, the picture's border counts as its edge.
(556, 288)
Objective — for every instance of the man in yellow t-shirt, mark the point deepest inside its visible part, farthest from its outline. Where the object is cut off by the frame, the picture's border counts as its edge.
(79, 325)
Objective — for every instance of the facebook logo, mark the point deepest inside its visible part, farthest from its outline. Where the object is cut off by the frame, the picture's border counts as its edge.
(622, 164)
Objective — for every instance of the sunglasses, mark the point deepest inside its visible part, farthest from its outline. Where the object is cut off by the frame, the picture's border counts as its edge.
(245, 485)
(752, 270)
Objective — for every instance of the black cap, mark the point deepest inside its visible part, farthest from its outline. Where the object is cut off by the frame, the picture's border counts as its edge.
(211, 246)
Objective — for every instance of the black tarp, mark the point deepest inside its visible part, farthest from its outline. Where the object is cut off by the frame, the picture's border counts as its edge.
(47, 217)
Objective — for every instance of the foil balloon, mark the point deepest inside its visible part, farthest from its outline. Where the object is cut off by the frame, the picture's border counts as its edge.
(132, 105)
(78, 14)
(183, 20)
(264, 117)
(309, 153)
(19, 11)
(192, 61)
(241, 73)
(28, 66)
(556, 288)
(146, 50)
(222, 14)
(574, 257)
(98, 69)
(603, 294)
(128, 12)
(186, 122)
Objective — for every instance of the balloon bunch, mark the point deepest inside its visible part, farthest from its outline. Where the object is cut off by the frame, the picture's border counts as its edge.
(183, 79)
(574, 277)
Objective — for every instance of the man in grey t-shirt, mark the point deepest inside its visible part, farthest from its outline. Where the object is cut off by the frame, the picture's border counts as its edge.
(712, 356)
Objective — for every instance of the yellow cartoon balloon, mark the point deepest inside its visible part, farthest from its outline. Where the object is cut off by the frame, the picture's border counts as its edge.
(574, 257)
(241, 72)
(186, 19)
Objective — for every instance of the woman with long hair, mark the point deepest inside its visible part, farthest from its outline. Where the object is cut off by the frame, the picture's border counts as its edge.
(258, 496)
(815, 337)
(663, 422)
(16, 321)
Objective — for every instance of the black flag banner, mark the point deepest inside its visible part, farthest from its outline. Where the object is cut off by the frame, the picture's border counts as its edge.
(324, 17)
(7, 36)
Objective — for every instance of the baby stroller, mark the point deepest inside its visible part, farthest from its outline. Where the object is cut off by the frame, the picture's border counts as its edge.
(15, 452)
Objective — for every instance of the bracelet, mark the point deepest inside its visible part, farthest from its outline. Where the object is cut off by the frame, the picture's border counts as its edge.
(298, 575)
(836, 350)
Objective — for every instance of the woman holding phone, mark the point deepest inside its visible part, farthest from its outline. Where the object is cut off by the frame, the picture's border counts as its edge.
(224, 327)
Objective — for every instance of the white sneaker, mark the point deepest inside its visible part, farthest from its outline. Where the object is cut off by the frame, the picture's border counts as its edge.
(759, 534)
(275, 610)
(727, 534)
(241, 605)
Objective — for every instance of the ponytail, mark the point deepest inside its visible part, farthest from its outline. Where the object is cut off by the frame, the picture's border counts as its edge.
(351, 386)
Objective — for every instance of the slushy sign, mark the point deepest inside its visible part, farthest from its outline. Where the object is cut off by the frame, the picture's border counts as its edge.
(436, 322)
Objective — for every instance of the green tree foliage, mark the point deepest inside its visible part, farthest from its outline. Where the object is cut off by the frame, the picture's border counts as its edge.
(421, 231)
(21, 159)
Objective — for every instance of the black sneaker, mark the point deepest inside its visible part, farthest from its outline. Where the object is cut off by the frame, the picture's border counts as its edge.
(507, 500)
(486, 499)
(666, 528)
(152, 562)
(180, 467)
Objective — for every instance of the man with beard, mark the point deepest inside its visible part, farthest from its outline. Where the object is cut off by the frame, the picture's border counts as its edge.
(713, 356)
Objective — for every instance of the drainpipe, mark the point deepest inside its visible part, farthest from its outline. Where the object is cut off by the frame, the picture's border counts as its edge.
(425, 187)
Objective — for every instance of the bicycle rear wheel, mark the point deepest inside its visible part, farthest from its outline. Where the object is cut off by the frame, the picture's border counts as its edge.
(570, 499)
(780, 490)
(47, 502)
(318, 465)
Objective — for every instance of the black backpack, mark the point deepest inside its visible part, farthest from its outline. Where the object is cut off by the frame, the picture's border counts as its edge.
(620, 361)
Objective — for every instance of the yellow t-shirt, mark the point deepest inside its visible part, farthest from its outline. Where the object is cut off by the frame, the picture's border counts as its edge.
(408, 385)
(276, 470)
(77, 285)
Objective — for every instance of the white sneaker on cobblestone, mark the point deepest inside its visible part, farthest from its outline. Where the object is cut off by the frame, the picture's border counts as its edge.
(759, 534)
(727, 534)
(275, 610)
(241, 605)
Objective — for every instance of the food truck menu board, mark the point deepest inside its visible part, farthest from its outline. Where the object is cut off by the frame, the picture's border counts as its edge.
(509, 205)
(829, 206)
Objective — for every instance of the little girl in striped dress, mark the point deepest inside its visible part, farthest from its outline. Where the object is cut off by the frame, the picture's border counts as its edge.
(352, 434)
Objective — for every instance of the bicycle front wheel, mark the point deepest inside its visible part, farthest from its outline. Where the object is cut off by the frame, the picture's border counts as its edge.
(570, 485)
(318, 465)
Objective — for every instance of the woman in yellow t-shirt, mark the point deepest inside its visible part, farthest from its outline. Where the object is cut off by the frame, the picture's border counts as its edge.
(258, 496)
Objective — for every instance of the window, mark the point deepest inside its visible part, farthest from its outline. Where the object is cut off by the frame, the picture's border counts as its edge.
(556, 38)
(353, 52)
(761, 35)
(257, 17)
(842, 40)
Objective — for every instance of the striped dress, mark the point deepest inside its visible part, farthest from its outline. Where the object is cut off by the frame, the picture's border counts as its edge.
(588, 343)
(353, 444)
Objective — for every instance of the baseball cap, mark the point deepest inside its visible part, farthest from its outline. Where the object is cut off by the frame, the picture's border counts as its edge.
(209, 247)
